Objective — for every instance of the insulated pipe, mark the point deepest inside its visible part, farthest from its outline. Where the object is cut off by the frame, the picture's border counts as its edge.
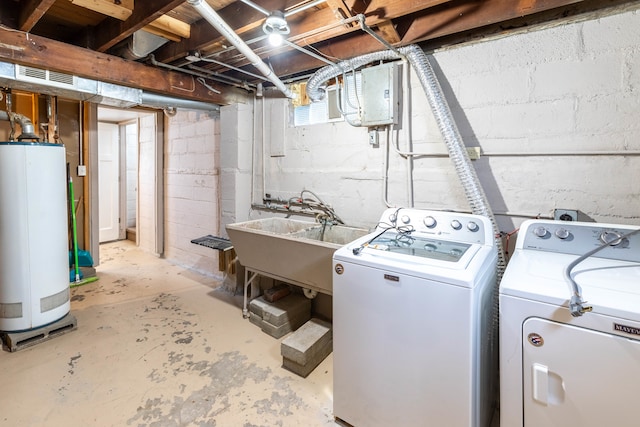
(227, 32)
(442, 113)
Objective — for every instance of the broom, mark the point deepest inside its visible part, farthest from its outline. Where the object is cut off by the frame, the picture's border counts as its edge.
(79, 281)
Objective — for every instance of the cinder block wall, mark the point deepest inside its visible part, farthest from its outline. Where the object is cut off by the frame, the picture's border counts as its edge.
(131, 175)
(236, 162)
(146, 184)
(192, 172)
(553, 109)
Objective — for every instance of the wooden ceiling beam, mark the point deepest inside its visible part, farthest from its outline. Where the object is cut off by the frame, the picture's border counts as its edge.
(305, 31)
(111, 31)
(445, 20)
(237, 15)
(120, 9)
(31, 13)
(40, 52)
(169, 28)
(388, 32)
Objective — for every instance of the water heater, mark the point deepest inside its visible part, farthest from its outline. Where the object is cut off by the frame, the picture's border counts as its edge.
(34, 260)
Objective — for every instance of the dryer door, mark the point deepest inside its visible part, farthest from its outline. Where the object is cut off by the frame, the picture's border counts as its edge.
(577, 376)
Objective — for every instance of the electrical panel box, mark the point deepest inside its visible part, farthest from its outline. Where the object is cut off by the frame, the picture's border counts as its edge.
(380, 95)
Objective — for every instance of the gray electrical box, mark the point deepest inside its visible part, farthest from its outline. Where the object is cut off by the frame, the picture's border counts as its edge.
(380, 100)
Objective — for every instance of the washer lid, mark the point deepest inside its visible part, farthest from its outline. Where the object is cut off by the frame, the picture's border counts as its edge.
(414, 245)
(474, 265)
(611, 287)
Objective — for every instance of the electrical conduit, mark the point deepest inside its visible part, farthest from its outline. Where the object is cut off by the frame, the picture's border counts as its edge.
(227, 32)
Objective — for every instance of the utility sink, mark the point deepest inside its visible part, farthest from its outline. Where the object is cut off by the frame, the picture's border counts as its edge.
(294, 251)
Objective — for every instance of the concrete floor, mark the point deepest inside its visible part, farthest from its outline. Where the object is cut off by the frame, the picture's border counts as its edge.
(157, 345)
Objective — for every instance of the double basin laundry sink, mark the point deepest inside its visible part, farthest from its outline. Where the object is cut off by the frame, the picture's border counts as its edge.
(294, 251)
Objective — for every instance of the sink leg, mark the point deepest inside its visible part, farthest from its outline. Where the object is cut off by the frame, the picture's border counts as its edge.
(255, 290)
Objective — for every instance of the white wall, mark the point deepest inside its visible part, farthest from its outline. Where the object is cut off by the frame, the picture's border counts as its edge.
(569, 88)
(566, 89)
(147, 203)
(131, 147)
(192, 174)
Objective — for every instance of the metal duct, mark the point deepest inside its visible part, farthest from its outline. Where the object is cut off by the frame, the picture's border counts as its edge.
(227, 32)
(154, 100)
(67, 86)
(140, 44)
(72, 87)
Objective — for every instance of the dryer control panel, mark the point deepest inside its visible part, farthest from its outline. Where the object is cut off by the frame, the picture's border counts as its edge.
(459, 227)
(578, 238)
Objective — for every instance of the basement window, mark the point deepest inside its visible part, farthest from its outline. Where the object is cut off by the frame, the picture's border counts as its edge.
(341, 98)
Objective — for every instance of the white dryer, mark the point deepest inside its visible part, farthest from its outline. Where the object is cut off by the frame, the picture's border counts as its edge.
(413, 310)
(559, 368)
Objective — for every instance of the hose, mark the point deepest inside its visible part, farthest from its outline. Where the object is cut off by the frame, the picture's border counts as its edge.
(316, 90)
(455, 145)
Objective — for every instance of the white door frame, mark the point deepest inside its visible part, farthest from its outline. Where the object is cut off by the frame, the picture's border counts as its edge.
(92, 174)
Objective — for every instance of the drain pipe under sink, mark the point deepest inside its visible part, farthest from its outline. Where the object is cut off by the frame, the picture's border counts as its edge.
(309, 293)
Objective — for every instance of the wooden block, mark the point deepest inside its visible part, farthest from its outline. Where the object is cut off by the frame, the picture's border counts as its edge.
(276, 293)
(170, 28)
(120, 11)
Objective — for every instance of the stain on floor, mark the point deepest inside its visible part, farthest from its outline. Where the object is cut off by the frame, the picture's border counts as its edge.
(158, 345)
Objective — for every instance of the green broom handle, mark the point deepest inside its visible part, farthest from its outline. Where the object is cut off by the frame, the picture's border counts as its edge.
(73, 224)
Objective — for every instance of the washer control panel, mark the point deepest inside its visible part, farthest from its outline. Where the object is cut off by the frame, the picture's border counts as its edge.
(578, 238)
(455, 226)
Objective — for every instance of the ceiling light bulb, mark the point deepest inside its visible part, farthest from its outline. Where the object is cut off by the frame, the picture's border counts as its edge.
(275, 39)
(275, 26)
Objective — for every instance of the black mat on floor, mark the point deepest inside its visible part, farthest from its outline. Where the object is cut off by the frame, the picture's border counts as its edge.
(213, 242)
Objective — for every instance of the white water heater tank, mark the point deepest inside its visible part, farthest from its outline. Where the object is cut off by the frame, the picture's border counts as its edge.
(34, 249)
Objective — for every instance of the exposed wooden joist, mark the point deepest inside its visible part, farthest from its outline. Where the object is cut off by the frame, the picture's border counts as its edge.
(112, 31)
(31, 13)
(120, 9)
(388, 32)
(451, 18)
(28, 49)
(240, 17)
(340, 9)
(169, 28)
(305, 31)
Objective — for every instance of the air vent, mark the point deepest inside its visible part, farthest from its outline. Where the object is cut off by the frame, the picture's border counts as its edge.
(51, 78)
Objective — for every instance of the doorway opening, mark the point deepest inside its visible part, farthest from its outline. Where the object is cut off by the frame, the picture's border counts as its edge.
(130, 177)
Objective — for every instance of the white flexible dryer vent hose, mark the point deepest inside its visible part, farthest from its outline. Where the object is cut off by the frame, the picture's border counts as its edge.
(316, 89)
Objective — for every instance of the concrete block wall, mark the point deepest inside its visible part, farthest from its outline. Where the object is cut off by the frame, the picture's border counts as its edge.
(146, 184)
(192, 181)
(131, 147)
(236, 162)
(553, 109)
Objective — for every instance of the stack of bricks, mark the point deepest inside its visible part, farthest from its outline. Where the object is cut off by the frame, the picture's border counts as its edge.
(303, 350)
(280, 317)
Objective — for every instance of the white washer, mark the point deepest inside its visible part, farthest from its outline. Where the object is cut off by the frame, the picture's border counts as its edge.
(414, 330)
(557, 369)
